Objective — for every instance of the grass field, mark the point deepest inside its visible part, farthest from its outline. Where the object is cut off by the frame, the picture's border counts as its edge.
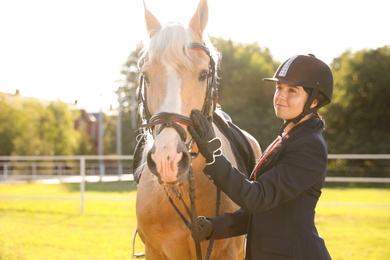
(43, 222)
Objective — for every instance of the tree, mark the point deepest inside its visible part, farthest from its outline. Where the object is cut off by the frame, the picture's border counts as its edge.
(127, 96)
(9, 127)
(242, 93)
(31, 142)
(47, 130)
(358, 116)
(110, 125)
(60, 129)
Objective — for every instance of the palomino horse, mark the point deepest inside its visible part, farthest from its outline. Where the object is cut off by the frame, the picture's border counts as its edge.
(178, 75)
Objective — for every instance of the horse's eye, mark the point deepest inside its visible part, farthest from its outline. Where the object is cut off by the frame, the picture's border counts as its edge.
(203, 75)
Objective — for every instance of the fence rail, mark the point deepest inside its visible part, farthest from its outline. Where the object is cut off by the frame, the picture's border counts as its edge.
(37, 167)
(90, 168)
(360, 156)
(33, 168)
(9, 162)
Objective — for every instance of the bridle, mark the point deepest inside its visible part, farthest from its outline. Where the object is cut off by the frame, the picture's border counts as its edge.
(175, 121)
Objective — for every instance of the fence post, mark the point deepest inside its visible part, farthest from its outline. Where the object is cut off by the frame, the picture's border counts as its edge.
(34, 170)
(82, 183)
(5, 170)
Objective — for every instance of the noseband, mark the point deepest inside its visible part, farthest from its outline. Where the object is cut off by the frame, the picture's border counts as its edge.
(175, 120)
(170, 120)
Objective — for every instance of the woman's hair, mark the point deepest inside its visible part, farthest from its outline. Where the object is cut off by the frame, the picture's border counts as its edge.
(321, 98)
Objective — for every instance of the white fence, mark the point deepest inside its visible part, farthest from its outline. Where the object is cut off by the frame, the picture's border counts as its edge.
(360, 157)
(65, 169)
(92, 168)
(68, 168)
(38, 167)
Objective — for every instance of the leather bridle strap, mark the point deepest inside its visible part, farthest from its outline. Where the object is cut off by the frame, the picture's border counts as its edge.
(211, 91)
(191, 212)
(211, 96)
(170, 120)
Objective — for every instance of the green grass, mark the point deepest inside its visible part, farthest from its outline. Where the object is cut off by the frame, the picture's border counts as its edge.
(43, 222)
(53, 228)
(355, 222)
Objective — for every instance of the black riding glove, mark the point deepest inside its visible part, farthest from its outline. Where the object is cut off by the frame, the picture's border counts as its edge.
(203, 133)
(205, 228)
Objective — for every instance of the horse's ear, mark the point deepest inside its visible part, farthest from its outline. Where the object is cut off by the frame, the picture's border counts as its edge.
(199, 21)
(152, 24)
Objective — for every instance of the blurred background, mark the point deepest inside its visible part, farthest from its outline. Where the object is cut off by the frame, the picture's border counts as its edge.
(68, 75)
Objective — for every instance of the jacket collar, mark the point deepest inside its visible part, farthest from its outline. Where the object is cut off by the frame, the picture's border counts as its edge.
(311, 125)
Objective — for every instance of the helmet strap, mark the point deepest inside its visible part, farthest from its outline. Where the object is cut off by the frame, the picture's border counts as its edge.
(306, 111)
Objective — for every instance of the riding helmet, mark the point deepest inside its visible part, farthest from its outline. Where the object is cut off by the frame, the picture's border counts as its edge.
(306, 71)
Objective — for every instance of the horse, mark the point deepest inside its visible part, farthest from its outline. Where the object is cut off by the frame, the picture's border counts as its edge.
(178, 74)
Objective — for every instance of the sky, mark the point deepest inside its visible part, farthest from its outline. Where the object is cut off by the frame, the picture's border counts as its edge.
(74, 49)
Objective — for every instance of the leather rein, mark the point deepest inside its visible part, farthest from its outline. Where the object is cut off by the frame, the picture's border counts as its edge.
(174, 120)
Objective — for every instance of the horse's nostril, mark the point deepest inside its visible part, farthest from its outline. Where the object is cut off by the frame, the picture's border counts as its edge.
(151, 164)
(184, 163)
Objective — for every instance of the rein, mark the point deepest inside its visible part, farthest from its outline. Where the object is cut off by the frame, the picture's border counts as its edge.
(192, 213)
(174, 120)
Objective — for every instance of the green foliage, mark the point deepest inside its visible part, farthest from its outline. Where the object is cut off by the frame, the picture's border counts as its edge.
(242, 93)
(9, 127)
(359, 114)
(61, 128)
(128, 97)
(29, 128)
(34, 141)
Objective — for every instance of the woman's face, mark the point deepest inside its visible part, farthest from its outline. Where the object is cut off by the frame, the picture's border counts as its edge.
(289, 100)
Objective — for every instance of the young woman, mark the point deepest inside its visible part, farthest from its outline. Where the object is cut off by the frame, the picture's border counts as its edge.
(278, 202)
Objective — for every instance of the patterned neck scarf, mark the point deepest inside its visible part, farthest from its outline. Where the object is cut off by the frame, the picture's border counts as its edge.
(270, 149)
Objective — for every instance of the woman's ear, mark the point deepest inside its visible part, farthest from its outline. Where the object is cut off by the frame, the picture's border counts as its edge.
(314, 103)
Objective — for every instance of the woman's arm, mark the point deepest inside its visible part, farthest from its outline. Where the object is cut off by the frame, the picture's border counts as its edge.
(301, 165)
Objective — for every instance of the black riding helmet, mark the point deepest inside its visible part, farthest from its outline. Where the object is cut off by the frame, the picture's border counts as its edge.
(309, 72)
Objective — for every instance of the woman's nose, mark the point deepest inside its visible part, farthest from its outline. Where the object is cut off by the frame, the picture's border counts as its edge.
(280, 95)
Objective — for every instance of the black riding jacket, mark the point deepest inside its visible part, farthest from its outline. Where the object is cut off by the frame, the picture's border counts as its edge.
(277, 210)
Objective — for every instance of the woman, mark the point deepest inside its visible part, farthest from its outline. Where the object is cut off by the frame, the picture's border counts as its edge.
(278, 202)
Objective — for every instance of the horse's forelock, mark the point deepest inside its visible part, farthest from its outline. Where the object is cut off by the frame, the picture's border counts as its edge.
(170, 46)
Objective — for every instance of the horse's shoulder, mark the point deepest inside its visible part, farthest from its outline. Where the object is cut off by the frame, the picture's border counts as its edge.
(241, 144)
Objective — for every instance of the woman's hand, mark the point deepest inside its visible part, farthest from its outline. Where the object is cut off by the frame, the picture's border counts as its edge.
(203, 133)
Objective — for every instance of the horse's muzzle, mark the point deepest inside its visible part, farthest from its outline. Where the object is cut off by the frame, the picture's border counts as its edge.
(168, 174)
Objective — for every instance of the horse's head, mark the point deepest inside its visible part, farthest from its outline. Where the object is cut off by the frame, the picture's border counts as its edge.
(177, 75)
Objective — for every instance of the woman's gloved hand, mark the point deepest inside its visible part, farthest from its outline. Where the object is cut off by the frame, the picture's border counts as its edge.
(203, 133)
(205, 228)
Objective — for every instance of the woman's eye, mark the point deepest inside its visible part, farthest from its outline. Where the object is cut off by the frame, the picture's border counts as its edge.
(203, 75)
